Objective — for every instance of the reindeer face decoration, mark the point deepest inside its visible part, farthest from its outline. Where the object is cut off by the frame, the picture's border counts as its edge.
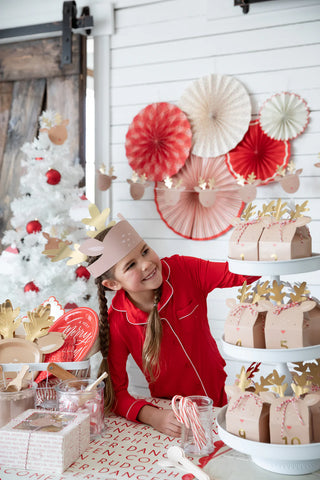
(288, 324)
(247, 414)
(286, 237)
(290, 420)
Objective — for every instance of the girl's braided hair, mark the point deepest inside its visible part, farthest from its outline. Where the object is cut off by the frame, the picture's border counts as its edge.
(104, 333)
(152, 343)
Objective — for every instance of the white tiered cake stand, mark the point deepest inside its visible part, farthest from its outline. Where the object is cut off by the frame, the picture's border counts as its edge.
(287, 459)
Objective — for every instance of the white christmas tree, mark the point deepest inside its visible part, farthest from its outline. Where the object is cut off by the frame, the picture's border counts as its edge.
(46, 216)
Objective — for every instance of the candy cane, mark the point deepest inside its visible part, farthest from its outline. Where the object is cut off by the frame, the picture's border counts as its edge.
(187, 413)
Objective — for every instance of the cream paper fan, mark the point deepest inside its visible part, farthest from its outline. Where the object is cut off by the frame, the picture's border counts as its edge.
(219, 110)
(284, 116)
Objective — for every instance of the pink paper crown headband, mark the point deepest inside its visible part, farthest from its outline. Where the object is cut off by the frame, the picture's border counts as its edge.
(119, 241)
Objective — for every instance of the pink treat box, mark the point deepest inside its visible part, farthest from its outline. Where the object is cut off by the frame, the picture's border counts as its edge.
(243, 244)
(44, 441)
(285, 240)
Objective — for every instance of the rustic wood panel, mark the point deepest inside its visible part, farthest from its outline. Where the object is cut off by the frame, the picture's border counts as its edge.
(38, 59)
(27, 100)
(66, 95)
(5, 104)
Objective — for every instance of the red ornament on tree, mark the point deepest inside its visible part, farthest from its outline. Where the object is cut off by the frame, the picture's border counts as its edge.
(82, 272)
(34, 226)
(53, 176)
(31, 287)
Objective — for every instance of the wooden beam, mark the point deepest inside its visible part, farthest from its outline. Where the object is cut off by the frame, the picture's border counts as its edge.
(37, 59)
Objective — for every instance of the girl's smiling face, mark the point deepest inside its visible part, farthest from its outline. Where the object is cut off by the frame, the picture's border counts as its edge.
(139, 271)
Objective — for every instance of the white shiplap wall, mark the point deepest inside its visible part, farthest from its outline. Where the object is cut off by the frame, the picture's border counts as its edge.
(159, 47)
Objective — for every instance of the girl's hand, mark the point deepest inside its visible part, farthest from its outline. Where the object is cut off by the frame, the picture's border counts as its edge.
(163, 420)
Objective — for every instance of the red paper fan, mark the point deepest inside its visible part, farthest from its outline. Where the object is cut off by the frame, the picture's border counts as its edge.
(158, 141)
(189, 217)
(258, 154)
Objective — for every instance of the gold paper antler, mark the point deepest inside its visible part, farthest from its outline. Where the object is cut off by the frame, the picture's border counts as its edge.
(8, 319)
(244, 382)
(300, 367)
(56, 254)
(39, 324)
(262, 290)
(280, 209)
(248, 212)
(267, 209)
(315, 372)
(97, 220)
(299, 210)
(299, 290)
(264, 381)
(244, 292)
(275, 291)
(301, 384)
(278, 387)
(76, 256)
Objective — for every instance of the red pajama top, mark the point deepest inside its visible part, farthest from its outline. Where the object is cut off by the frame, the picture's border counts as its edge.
(190, 363)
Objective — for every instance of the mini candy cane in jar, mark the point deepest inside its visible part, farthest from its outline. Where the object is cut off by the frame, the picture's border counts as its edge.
(196, 415)
(78, 396)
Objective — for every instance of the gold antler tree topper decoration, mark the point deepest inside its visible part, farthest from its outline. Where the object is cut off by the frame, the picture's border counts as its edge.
(8, 319)
(39, 322)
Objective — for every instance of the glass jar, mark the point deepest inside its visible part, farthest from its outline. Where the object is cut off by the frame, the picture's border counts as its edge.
(72, 397)
(14, 403)
(189, 444)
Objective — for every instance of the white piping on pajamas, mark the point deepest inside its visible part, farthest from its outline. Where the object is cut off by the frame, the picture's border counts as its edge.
(194, 368)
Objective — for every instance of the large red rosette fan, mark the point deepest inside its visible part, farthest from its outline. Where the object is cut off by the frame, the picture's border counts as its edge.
(189, 217)
(258, 154)
(158, 141)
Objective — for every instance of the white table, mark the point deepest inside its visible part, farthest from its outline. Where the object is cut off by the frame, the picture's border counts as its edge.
(130, 450)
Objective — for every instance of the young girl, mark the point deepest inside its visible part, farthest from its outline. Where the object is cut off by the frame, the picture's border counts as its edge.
(159, 316)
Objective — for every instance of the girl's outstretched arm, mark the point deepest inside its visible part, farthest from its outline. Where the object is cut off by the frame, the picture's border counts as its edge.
(163, 420)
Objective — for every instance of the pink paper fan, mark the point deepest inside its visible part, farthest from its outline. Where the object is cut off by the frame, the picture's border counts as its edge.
(258, 154)
(189, 217)
(158, 141)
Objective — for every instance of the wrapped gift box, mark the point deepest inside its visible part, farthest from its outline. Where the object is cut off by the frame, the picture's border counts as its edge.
(44, 441)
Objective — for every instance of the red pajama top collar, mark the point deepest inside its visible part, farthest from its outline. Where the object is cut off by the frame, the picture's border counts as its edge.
(190, 363)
